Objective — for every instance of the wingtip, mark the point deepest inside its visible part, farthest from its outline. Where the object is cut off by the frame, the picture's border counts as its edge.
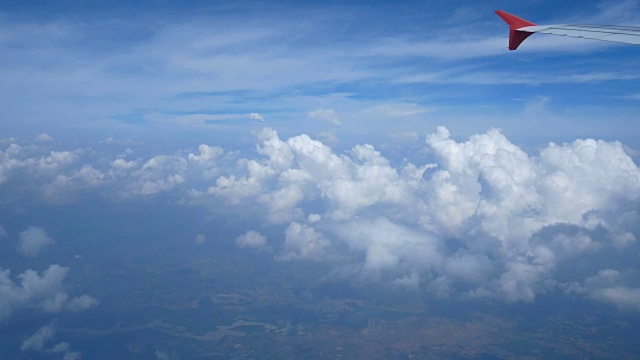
(516, 37)
(513, 21)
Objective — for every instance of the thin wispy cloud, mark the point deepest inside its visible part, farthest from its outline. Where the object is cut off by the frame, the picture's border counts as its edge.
(239, 65)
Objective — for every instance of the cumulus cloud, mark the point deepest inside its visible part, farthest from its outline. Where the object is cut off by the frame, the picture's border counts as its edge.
(33, 240)
(159, 174)
(206, 154)
(45, 292)
(621, 296)
(484, 219)
(55, 160)
(479, 217)
(612, 287)
(63, 186)
(163, 173)
(304, 242)
(251, 239)
(61, 176)
(37, 163)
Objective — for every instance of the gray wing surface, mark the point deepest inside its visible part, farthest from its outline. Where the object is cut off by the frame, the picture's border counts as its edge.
(619, 34)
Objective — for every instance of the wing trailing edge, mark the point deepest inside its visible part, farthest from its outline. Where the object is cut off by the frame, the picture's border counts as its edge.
(520, 29)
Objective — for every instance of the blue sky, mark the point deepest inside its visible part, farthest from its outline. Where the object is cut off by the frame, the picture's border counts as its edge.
(339, 69)
(400, 143)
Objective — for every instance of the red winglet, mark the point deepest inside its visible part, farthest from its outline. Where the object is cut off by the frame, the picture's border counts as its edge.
(516, 37)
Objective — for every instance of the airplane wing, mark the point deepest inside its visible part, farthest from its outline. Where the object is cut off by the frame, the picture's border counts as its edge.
(520, 29)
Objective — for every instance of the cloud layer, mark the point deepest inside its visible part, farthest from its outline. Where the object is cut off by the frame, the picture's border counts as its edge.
(479, 218)
(44, 292)
(485, 219)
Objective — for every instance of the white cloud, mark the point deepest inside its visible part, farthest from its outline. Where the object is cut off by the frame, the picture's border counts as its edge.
(33, 240)
(65, 349)
(612, 287)
(82, 303)
(158, 174)
(121, 164)
(305, 169)
(207, 154)
(621, 296)
(251, 239)
(61, 347)
(44, 137)
(390, 247)
(41, 166)
(57, 159)
(328, 137)
(39, 339)
(63, 186)
(45, 292)
(200, 239)
(256, 116)
(304, 242)
(411, 281)
(55, 303)
(525, 213)
(62, 176)
(479, 217)
(325, 115)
